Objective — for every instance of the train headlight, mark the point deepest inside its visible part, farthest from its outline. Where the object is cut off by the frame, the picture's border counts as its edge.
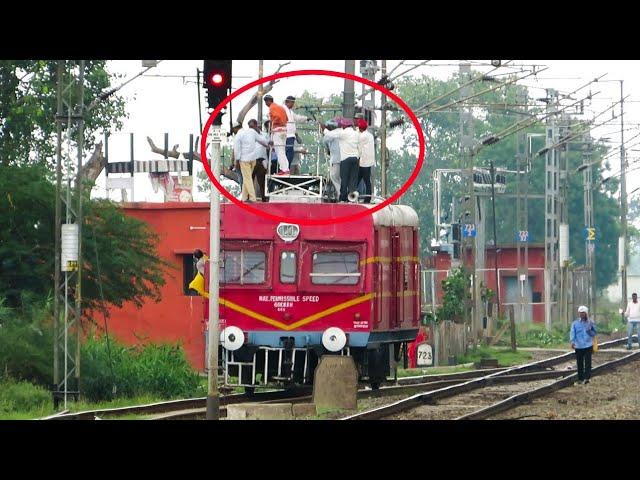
(232, 338)
(334, 339)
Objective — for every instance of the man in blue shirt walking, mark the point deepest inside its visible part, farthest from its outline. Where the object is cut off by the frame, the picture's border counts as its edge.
(582, 332)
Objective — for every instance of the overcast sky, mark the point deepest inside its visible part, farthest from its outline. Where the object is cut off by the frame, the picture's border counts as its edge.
(165, 99)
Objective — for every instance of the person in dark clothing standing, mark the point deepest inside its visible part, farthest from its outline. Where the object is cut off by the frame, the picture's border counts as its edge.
(348, 139)
(582, 332)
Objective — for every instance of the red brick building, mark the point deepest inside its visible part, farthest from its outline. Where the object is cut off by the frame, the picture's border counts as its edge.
(509, 284)
(182, 228)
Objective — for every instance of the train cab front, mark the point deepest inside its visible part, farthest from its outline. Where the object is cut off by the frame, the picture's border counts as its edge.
(262, 358)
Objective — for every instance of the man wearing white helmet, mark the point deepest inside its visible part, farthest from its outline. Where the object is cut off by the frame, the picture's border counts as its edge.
(582, 332)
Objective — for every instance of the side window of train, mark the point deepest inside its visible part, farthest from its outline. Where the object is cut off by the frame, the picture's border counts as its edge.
(288, 267)
(243, 267)
(335, 268)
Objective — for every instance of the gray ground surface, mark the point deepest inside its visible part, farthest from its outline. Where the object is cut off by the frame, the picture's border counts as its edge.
(611, 396)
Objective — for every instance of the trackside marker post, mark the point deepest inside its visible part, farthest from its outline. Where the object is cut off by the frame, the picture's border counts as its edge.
(213, 400)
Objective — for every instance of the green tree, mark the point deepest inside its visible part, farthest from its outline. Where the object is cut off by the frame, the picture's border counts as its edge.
(130, 269)
(441, 131)
(28, 108)
(456, 294)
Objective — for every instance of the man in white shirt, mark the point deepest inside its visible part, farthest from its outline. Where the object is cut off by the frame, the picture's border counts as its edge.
(633, 315)
(367, 157)
(349, 140)
(333, 144)
(244, 151)
(261, 154)
(292, 118)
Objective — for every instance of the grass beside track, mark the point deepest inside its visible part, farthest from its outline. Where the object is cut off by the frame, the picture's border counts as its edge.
(46, 409)
(505, 356)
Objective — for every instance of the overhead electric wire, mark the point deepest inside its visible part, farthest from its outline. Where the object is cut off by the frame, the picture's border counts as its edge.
(525, 124)
(582, 132)
(425, 111)
(390, 79)
(529, 122)
(474, 79)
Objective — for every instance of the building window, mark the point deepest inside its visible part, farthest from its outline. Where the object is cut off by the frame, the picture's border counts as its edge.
(288, 267)
(188, 273)
(243, 267)
(335, 268)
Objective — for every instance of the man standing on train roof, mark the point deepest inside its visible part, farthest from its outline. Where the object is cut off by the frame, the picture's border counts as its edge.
(292, 118)
(298, 150)
(244, 150)
(349, 140)
(367, 157)
(582, 332)
(271, 164)
(260, 170)
(333, 144)
(632, 315)
(278, 117)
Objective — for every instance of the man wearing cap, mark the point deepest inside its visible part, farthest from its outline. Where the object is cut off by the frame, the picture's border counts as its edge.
(278, 117)
(582, 332)
(348, 139)
(632, 314)
(292, 118)
(333, 144)
(367, 157)
(244, 151)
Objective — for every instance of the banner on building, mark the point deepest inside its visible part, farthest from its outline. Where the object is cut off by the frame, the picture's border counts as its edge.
(182, 189)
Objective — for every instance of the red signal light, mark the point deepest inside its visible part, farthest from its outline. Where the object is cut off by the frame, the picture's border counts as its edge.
(216, 79)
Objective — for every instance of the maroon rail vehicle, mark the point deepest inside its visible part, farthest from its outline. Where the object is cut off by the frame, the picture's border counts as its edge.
(291, 293)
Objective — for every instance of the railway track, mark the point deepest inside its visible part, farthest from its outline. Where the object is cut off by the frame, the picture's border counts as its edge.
(195, 408)
(528, 395)
(479, 397)
(185, 408)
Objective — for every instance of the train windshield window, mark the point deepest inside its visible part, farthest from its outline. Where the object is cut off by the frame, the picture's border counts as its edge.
(243, 267)
(288, 267)
(335, 268)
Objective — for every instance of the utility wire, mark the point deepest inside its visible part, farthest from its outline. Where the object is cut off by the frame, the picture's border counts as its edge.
(476, 78)
(425, 111)
(111, 91)
(390, 79)
(528, 122)
(525, 124)
(582, 132)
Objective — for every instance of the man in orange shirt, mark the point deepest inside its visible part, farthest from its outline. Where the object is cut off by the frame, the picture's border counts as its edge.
(278, 117)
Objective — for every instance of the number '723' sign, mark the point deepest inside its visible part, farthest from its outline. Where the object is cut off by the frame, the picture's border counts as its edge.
(425, 355)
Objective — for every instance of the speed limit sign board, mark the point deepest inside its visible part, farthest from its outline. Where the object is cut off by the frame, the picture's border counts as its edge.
(425, 355)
